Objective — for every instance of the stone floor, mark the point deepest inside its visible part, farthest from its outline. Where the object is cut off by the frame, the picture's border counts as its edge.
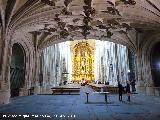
(74, 107)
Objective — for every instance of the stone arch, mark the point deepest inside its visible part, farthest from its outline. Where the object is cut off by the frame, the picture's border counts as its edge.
(17, 69)
(146, 57)
(118, 39)
(24, 41)
(155, 64)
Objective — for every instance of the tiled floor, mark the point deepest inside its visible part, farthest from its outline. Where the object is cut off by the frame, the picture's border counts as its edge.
(74, 107)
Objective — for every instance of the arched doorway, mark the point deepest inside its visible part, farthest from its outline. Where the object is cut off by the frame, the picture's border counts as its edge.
(155, 64)
(17, 69)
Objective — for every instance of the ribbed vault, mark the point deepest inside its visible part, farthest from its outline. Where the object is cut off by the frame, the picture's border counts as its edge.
(52, 21)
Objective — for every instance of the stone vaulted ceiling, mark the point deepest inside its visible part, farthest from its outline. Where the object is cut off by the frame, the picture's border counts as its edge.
(59, 20)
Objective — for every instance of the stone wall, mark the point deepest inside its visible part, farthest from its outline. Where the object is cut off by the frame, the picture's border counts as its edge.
(11, 38)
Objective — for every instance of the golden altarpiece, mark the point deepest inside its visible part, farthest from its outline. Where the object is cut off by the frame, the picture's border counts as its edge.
(83, 62)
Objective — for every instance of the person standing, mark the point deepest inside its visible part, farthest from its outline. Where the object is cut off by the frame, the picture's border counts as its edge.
(128, 90)
(120, 91)
(133, 85)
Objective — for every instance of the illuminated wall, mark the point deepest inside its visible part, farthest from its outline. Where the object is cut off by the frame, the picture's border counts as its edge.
(111, 62)
(53, 63)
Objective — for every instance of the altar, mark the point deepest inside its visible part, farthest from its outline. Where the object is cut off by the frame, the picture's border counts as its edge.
(83, 62)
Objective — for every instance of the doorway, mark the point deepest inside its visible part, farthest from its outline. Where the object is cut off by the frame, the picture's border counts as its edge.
(17, 69)
(155, 64)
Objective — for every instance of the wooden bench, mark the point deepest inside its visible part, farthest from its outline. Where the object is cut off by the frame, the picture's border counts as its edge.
(111, 89)
(97, 87)
(65, 90)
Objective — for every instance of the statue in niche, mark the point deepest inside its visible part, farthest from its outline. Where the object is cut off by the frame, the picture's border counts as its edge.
(83, 64)
(41, 79)
(48, 77)
(56, 72)
(64, 72)
(133, 83)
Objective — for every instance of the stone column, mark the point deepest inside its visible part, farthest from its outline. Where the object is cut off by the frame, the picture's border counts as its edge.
(147, 75)
(4, 92)
(140, 81)
(36, 56)
(4, 74)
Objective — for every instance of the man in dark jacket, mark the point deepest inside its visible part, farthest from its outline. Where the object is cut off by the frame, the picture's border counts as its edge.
(128, 90)
(133, 83)
(120, 91)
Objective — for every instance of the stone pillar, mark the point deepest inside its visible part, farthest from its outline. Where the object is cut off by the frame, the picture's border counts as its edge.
(37, 90)
(4, 96)
(37, 87)
(157, 91)
(4, 77)
(48, 89)
(140, 88)
(4, 93)
(43, 89)
(150, 91)
(21, 92)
